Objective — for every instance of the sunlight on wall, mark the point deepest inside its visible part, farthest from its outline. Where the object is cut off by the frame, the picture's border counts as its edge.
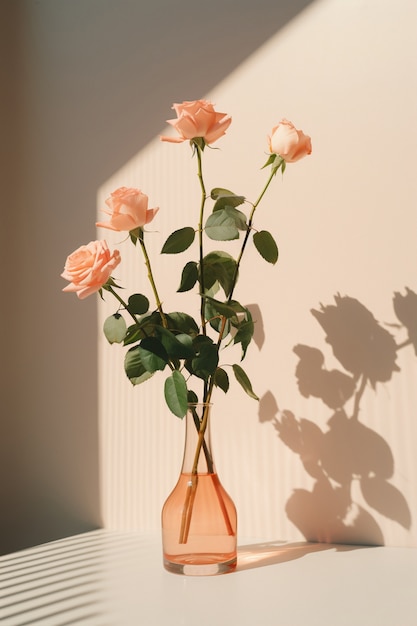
(307, 462)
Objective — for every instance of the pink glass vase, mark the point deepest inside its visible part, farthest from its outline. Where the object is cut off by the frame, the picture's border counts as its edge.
(199, 519)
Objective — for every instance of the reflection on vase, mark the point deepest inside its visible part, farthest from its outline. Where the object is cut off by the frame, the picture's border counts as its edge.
(199, 518)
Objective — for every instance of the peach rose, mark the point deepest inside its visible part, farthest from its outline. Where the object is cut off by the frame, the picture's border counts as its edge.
(288, 142)
(128, 210)
(89, 267)
(198, 118)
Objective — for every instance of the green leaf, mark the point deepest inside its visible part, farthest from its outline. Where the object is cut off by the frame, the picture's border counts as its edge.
(175, 390)
(221, 379)
(225, 224)
(225, 197)
(206, 360)
(192, 397)
(144, 327)
(134, 368)
(189, 276)
(245, 330)
(138, 304)
(133, 334)
(220, 191)
(177, 346)
(153, 355)
(220, 308)
(219, 266)
(220, 227)
(266, 246)
(110, 282)
(213, 316)
(244, 381)
(276, 162)
(183, 322)
(179, 241)
(236, 306)
(187, 344)
(271, 159)
(114, 328)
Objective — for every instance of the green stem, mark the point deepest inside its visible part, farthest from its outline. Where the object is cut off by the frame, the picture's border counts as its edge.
(122, 302)
(197, 424)
(193, 484)
(151, 279)
(239, 259)
(223, 324)
(248, 230)
(200, 235)
(199, 151)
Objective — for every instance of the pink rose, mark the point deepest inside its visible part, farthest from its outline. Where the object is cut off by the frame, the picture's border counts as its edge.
(128, 210)
(288, 142)
(89, 267)
(198, 119)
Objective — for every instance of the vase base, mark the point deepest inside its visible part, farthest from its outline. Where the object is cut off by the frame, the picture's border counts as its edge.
(199, 565)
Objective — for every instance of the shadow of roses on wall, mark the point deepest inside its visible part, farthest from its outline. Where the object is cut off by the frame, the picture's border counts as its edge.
(347, 451)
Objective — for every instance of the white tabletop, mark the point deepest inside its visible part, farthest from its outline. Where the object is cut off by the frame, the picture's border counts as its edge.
(113, 578)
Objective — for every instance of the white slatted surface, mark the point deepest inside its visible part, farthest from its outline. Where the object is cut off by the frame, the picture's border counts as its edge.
(107, 578)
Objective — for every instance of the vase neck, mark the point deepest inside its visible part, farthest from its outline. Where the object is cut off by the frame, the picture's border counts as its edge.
(195, 457)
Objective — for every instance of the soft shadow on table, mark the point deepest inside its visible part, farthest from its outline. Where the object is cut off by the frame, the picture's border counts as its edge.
(72, 580)
(267, 553)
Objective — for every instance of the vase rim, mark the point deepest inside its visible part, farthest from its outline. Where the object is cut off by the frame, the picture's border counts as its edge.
(200, 404)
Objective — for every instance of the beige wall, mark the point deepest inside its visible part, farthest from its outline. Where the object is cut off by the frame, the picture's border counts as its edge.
(85, 85)
(302, 464)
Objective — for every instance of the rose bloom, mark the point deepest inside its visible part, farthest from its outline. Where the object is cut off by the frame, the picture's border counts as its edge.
(89, 267)
(291, 144)
(198, 118)
(128, 210)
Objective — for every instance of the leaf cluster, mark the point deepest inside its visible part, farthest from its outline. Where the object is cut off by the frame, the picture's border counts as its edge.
(225, 223)
(180, 347)
(174, 341)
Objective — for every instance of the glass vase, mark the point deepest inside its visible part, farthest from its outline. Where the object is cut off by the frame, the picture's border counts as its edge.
(199, 520)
